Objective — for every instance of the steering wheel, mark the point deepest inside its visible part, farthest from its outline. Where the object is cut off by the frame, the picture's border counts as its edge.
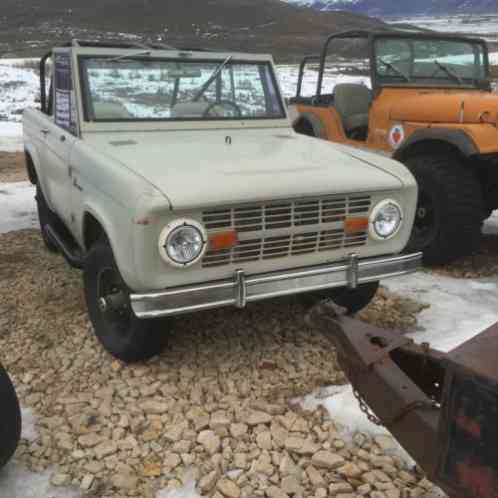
(222, 103)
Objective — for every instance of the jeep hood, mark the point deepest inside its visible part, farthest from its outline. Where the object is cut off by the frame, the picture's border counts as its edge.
(212, 167)
(466, 107)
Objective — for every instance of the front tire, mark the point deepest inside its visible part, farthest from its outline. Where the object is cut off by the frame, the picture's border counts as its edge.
(10, 418)
(353, 300)
(119, 331)
(450, 209)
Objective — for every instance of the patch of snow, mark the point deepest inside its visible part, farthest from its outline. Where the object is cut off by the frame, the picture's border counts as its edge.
(18, 206)
(460, 309)
(29, 431)
(11, 136)
(20, 88)
(18, 482)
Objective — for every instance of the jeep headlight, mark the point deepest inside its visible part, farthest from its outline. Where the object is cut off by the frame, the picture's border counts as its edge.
(182, 243)
(385, 220)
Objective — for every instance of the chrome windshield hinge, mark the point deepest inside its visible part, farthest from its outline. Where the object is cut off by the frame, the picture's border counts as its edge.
(353, 271)
(240, 289)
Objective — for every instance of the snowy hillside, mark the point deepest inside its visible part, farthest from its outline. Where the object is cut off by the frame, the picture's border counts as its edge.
(392, 7)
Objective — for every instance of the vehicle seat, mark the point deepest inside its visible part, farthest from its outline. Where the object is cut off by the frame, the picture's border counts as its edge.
(352, 102)
(189, 110)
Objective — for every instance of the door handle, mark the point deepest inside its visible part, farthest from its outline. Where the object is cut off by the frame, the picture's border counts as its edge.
(45, 131)
(76, 185)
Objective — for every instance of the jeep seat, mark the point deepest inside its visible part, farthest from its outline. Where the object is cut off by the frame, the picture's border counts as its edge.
(352, 102)
(189, 110)
(111, 110)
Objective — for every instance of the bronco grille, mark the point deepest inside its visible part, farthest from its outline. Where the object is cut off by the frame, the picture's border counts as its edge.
(287, 228)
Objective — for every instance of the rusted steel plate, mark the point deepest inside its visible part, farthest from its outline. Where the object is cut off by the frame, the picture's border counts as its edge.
(469, 423)
(442, 408)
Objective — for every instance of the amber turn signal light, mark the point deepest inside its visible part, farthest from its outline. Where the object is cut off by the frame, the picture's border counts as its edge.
(355, 225)
(223, 240)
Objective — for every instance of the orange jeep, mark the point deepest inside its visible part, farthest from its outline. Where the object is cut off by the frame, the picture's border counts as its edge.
(430, 107)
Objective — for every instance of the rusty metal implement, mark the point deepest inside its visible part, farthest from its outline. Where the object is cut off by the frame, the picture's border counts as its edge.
(441, 407)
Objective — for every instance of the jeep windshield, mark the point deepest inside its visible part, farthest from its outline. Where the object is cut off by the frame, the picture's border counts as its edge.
(138, 89)
(428, 61)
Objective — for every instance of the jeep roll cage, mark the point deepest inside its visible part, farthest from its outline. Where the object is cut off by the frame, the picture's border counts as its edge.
(371, 37)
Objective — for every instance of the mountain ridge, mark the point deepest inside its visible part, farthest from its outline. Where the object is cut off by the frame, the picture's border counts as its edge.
(286, 30)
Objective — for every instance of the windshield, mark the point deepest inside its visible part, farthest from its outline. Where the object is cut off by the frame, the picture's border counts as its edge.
(124, 89)
(429, 61)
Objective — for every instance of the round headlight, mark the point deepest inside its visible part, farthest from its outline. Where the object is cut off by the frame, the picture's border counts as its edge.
(385, 220)
(182, 243)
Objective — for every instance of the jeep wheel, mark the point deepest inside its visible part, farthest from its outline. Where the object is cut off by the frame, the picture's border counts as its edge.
(107, 296)
(46, 217)
(353, 300)
(10, 418)
(450, 209)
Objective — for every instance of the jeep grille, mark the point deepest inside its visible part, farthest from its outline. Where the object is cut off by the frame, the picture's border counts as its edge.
(287, 228)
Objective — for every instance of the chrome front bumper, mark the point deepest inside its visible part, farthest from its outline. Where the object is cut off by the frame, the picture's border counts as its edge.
(243, 289)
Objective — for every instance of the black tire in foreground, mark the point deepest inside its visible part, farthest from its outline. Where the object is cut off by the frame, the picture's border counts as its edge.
(450, 209)
(10, 418)
(46, 217)
(119, 331)
(353, 300)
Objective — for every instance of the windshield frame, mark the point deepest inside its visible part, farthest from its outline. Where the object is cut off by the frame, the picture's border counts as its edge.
(86, 100)
(377, 82)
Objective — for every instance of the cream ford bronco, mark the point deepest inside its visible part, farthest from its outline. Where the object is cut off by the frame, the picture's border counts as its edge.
(174, 179)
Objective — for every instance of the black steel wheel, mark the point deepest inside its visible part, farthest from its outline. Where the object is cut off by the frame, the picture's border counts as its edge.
(10, 418)
(119, 331)
(450, 209)
(353, 300)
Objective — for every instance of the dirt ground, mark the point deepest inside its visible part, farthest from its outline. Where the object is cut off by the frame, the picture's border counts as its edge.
(12, 167)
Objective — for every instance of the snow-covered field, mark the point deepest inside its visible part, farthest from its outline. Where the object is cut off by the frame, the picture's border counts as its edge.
(485, 26)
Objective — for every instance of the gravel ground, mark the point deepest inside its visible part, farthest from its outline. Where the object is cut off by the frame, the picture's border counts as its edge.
(12, 167)
(214, 407)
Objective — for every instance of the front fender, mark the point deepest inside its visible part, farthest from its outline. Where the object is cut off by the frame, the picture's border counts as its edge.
(119, 232)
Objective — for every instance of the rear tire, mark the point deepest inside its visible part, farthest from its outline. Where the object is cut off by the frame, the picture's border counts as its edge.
(450, 209)
(46, 217)
(120, 332)
(10, 418)
(353, 300)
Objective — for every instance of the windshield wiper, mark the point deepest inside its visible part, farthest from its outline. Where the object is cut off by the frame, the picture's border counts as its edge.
(448, 71)
(130, 56)
(395, 69)
(206, 85)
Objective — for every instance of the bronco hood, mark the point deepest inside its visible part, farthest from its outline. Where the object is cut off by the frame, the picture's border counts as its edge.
(211, 167)
(450, 106)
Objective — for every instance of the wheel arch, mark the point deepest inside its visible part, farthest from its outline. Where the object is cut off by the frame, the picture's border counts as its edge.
(440, 139)
(32, 162)
(93, 229)
(96, 225)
